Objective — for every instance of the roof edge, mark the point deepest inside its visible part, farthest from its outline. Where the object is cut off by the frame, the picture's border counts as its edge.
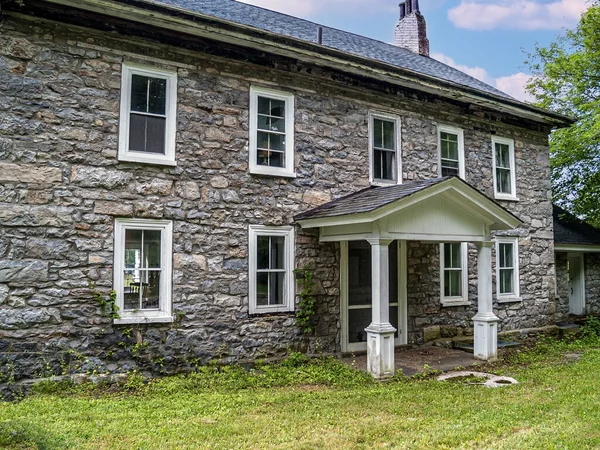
(188, 20)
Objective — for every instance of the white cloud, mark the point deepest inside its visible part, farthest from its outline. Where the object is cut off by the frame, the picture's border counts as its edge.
(516, 14)
(513, 85)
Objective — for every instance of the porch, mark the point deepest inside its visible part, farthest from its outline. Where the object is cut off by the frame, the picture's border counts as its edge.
(373, 227)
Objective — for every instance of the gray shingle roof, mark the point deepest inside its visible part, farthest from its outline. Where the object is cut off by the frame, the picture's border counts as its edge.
(568, 229)
(368, 199)
(286, 25)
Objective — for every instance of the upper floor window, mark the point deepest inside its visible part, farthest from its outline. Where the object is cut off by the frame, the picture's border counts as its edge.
(271, 262)
(507, 268)
(454, 273)
(504, 168)
(451, 151)
(271, 132)
(142, 270)
(147, 122)
(384, 149)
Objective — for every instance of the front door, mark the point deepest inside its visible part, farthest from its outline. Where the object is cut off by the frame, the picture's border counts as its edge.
(356, 293)
(576, 284)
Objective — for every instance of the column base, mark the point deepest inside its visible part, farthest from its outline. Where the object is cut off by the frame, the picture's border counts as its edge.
(380, 350)
(485, 344)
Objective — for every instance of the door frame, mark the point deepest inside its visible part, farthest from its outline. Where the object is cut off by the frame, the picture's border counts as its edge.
(577, 306)
(402, 338)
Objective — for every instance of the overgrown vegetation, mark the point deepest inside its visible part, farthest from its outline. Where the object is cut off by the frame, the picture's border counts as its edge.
(307, 307)
(108, 306)
(322, 403)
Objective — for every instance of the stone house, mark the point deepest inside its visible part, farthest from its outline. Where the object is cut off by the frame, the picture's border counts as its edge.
(190, 155)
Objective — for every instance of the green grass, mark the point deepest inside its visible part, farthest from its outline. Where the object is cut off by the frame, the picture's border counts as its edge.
(322, 404)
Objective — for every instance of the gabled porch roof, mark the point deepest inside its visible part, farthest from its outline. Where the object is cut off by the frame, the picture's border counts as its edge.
(450, 205)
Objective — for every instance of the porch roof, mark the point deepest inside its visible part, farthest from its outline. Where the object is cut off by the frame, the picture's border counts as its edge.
(376, 202)
(569, 230)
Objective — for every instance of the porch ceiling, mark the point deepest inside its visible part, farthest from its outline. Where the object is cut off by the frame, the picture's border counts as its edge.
(446, 209)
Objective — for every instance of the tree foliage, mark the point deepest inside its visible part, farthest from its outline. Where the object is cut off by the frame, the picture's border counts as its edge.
(567, 80)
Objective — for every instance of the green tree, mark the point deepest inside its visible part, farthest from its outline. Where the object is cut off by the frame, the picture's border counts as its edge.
(567, 80)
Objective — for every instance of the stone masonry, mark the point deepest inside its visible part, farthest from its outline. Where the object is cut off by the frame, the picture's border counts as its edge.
(61, 188)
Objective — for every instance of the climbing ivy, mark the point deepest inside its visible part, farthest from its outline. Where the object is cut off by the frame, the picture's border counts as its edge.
(108, 306)
(307, 308)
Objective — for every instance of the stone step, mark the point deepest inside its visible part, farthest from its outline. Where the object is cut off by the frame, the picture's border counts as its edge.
(468, 345)
(566, 328)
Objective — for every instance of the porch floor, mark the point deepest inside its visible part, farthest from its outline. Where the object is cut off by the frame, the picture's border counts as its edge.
(412, 361)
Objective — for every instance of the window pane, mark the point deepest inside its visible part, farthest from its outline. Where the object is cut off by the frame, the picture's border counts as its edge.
(262, 288)
(377, 133)
(264, 105)
(277, 252)
(452, 283)
(148, 94)
(277, 108)
(151, 251)
(506, 281)
(262, 252)
(273, 159)
(503, 182)
(383, 165)
(147, 133)
(358, 320)
(448, 170)
(276, 280)
(452, 256)
(157, 95)
(133, 249)
(388, 135)
(139, 93)
(506, 254)
(151, 290)
(131, 290)
(449, 146)
(502, 156)
(270, 141)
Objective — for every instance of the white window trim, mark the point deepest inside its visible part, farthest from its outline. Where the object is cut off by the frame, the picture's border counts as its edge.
(288, 170)
(289, 288)
(168, 159)
(397, 131)
(461, 148)
(514, 296)
(164, 313)
(462, 300)
(513, 172)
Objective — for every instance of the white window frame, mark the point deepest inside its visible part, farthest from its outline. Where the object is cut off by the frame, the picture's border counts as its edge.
(513, 173)
(461, 148)
(512, 296)
(398, 167)
(288, 170)
(289, 295)
(164, 312)
(462, 300)
(168, 159)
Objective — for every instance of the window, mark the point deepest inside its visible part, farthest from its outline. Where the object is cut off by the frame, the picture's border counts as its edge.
(147, 122)
(271, 132)
(384, 145)
(451, 150)
(454, 273)
(142, 270)
(504, 168)
(271, 253)
(507, 269)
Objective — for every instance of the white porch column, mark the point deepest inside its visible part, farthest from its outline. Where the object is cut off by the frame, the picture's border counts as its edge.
(485, 321)
(380, 333)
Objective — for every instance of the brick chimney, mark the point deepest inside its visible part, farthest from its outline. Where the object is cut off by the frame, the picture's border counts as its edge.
(411, 30)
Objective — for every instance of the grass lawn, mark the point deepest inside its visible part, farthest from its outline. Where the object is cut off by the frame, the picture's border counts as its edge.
(322, 404)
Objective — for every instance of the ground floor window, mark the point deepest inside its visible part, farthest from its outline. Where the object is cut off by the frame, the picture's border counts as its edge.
(507, 268)
(142, 270)
(454, 275)
(271, 263)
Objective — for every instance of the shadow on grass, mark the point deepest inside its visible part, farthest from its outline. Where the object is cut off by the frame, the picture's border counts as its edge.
(21, 435)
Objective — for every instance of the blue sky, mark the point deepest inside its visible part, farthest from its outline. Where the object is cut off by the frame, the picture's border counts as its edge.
(485, 38)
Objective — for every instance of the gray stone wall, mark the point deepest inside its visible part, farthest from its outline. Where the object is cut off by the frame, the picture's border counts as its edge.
(62, 187)
(591, 264)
